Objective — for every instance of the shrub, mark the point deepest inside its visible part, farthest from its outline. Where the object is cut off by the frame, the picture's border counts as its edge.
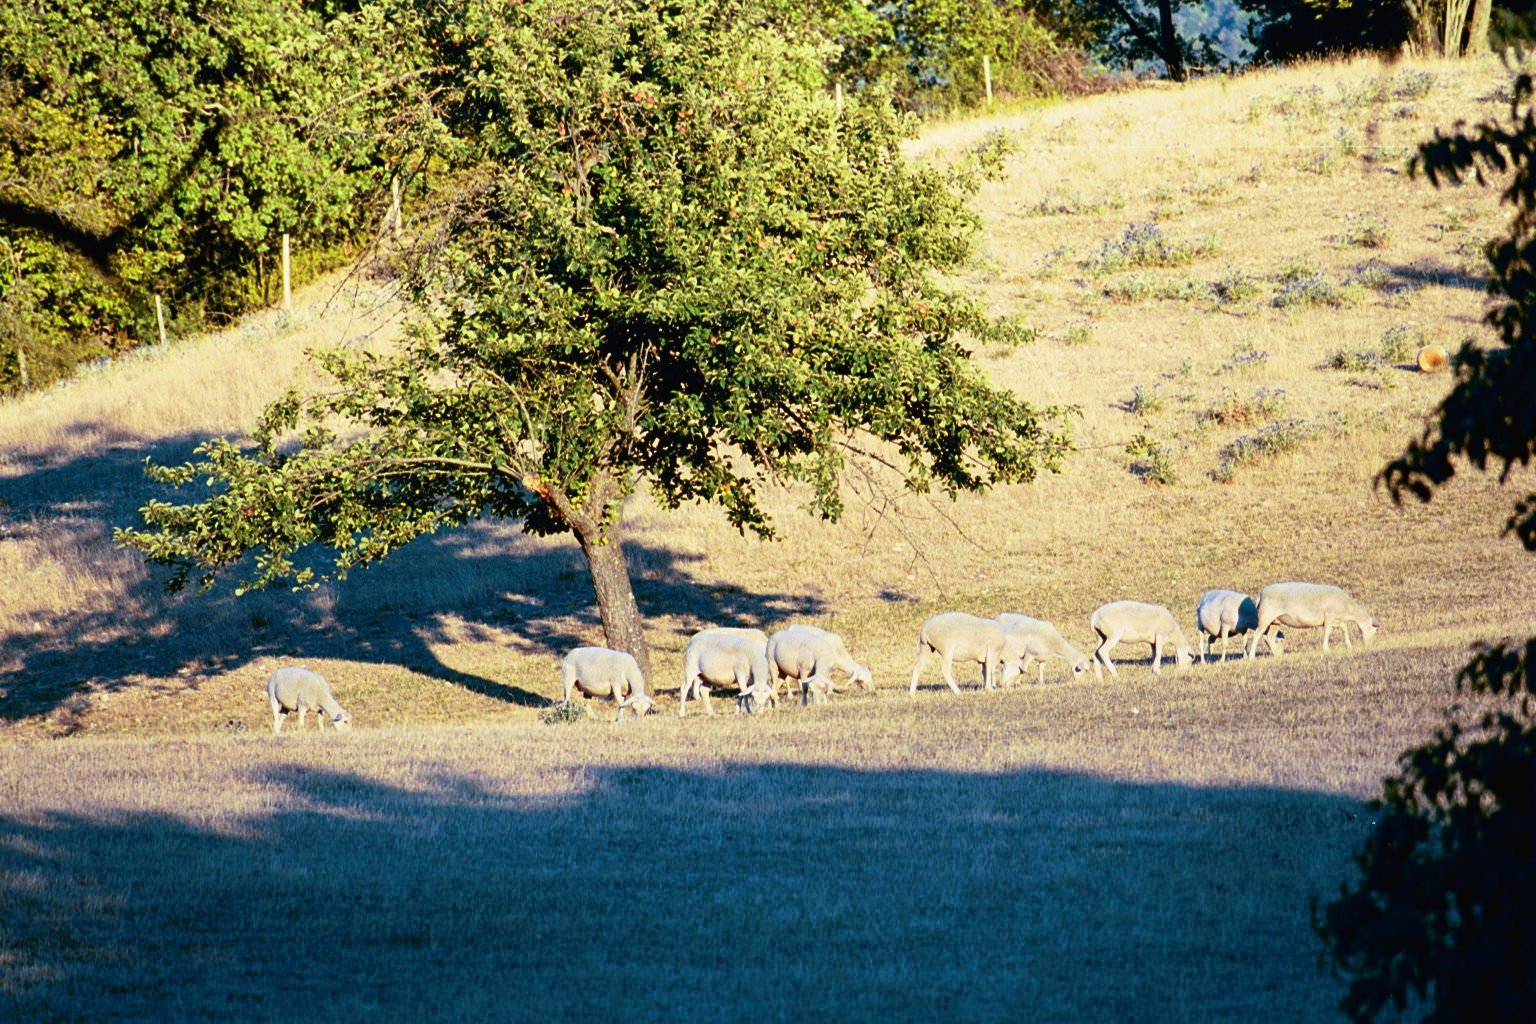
(1399, 343)
(1232, 410)
(1314, 289)
(1269, 442)
(563, 712)
(1244, 359)
(1145, 245)
(1366, 230)
(1235, 286)
(1145, 401)
(1151, 461)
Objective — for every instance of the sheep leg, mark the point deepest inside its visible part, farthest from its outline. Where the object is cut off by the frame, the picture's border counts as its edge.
(1327, 628)
(923, 650)
(1261, 630)
(302, 711)
(277, 717)
(682, 697)
(989, 671)
(1101, 654)
(1157, 655)
(1344, 626)
(704, 698)
(1226, 635)
(947, 668)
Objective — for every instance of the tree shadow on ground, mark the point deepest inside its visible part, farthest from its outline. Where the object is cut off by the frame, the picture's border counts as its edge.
(121, 623)
(750, 892)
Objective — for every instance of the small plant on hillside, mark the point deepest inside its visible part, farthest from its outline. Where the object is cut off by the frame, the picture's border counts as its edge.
(1399, 343)
(1270, 442)
(1366, 230)
(1152, 461)
(1079, 332)
(1372, 275)
(1232, 410)
(1145, 245)
(1352, 360)
(563, 712)
(1131, 288)
(1305, 289)
(1145, 401)
(1234, 286)
(1243, 359)
(1412, 85)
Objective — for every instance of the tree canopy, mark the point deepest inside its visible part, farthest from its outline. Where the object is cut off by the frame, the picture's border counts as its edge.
(163, 148)
(1444, 914)
(671, 258)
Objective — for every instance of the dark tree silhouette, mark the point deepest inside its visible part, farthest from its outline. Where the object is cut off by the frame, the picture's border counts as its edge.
(1443, 918)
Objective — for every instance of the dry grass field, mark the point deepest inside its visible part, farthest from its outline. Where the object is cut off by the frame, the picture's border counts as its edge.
(1237, 273)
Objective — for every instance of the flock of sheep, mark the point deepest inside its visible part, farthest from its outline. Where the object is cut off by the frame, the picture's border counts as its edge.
(758, 665)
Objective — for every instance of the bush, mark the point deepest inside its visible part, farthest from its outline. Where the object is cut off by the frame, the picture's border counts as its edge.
(1145, 245)
(563, 712)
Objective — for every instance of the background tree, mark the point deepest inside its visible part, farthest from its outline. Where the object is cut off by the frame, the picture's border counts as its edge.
(1444, 914)
(670, 260)
(163, 148)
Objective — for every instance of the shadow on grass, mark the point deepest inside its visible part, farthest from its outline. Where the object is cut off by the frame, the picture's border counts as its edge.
(487, 577)
(755, 892)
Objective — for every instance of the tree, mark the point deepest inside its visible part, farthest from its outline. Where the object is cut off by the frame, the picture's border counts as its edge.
(670, 261)
(163, 147)
(1444, 914)
(1136, 39)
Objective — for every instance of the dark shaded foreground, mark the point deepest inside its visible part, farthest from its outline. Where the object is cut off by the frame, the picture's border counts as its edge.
(754, 893)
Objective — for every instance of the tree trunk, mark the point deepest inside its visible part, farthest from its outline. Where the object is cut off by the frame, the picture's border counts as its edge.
(1477, 29)
(622, 625)
(1173, 56)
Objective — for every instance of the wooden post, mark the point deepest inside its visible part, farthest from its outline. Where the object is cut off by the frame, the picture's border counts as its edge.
(287, 280)
(21, 368)
(986, 71)
(839, 92)
(394, 205)
(160, 318)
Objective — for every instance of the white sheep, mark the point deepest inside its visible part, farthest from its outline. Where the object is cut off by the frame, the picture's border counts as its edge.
(1224, 614)
(803, 653)
(1039, 641)
(298, 689)
(1134, 622)
(604, 672)
(960, 636)
(719, 657)
(1307, 606)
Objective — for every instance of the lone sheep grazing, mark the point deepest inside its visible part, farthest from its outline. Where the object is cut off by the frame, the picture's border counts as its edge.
(1040, 641)
(1307, 606)
(1224, 614)
(298, 689)
(959, 636)
(1133, 622)
(603, 672)
(719, 657)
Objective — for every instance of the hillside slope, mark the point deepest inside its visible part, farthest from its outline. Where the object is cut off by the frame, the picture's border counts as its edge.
(1194, 261)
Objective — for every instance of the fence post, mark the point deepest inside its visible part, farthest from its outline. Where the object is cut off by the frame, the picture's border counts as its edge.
(394, 205)
(160, 318)
(986, 70)
(839, 89)
(21, 368)
(287, 280)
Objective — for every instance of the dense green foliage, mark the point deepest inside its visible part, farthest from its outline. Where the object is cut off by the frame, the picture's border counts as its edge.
(163, 149)
(1444, 915)
(672, 259)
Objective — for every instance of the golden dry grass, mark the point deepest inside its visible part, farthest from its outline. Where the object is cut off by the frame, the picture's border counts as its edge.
(1143, 847)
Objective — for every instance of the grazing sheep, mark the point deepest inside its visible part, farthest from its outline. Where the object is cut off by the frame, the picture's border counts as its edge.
(715, 657)
(1039, 641)
(1136, 623)
(1224, 613)
(603, 672)
(1307, 606)
(808, 654)
(299, 689)
(964, 637)
(756, 698)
